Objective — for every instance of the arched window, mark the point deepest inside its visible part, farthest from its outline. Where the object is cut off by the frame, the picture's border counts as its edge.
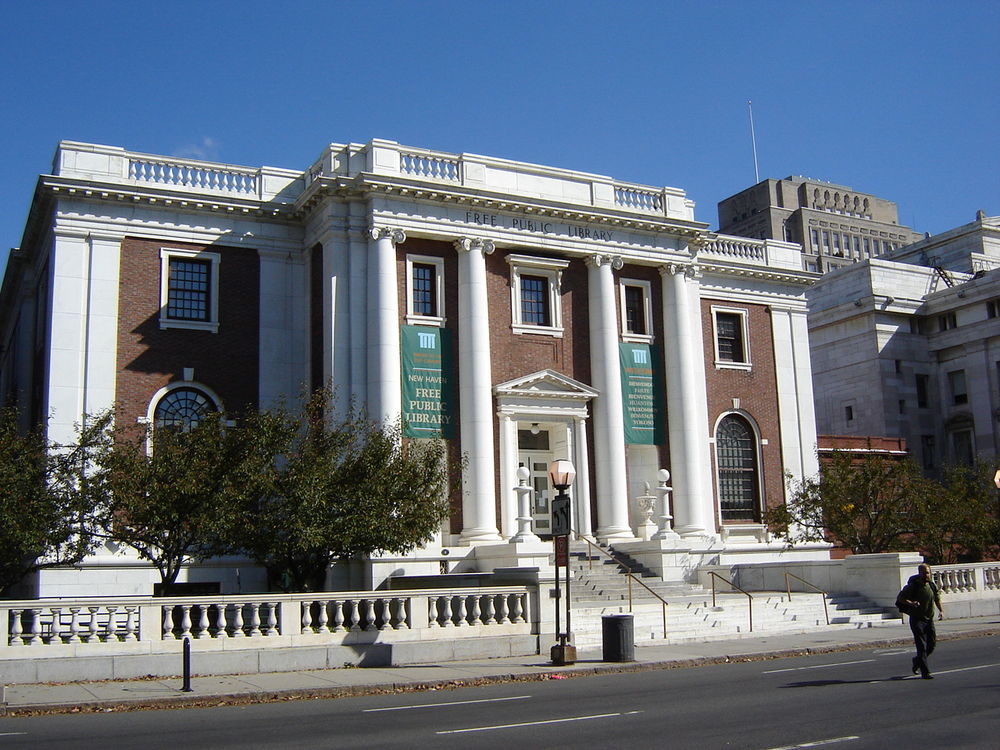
(182, 409)
(739, 483)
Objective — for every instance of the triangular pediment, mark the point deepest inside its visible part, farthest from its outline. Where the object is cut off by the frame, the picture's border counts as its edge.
(546, 384)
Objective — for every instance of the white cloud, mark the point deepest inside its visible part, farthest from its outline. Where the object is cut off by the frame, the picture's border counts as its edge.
(207, 148)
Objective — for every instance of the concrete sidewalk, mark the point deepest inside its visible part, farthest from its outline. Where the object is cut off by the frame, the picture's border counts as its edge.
(127, 695)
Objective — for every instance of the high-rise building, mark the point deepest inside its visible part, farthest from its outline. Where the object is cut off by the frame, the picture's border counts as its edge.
(835, 224)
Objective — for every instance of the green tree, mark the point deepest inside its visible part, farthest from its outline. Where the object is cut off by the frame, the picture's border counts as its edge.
(170, 492)
(868, 504)
(344, 487)
(961, 523)
(48, 515)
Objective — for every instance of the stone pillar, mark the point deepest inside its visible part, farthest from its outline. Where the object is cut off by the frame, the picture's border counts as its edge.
(475, 392)
(508, 476)
(687, 409)
(584, 525)
(385, 399)
(609, 421)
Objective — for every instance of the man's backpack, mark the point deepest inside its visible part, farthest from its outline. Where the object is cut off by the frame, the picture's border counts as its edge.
(902, 603)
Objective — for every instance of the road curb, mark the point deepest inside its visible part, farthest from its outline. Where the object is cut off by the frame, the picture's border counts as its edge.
(545, 673)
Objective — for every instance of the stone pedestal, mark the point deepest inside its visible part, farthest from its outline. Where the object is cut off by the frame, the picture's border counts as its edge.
(668, 558)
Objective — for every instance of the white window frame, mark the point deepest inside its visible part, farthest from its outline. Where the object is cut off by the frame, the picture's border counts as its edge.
(212, 324)
(647, 310)
(548, 268)
(426, 320)
(743, 313)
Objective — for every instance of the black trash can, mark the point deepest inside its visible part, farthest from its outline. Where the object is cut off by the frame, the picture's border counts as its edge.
(618, 638)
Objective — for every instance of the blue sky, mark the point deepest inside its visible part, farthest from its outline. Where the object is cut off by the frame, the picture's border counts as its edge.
(899, 99)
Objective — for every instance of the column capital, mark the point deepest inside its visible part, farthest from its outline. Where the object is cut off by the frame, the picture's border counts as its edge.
(396, 235)
(690, 270)
(603, 259)
(469, 244)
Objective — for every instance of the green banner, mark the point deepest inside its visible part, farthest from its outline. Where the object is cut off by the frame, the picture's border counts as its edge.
(427, 396)
(642, 394)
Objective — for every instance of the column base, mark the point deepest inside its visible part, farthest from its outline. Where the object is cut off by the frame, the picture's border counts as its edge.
(472, 537)
(622, 533)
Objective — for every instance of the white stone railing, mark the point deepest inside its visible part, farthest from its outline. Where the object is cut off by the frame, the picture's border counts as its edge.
(964, 579)
(636, 198)
(47, 627)
(738, 248)
(428, 165)
(196, 175)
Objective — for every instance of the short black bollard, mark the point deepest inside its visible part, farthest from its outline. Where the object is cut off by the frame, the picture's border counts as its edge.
(187, 666)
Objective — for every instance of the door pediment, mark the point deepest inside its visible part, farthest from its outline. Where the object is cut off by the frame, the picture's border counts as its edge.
(545, 390)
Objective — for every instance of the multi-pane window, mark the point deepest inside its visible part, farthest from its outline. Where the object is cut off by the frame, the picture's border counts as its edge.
(739, 484)
(636, 317)
(424, 289)
(182, 409)
(189, 289)
(535, 301)
(730, 337)
(956, 381)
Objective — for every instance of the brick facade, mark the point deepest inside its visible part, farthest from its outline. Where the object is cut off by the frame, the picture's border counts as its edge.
(756, 389)
(150, 358)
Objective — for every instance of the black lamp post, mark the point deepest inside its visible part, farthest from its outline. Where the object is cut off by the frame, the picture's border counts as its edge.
(562, 474)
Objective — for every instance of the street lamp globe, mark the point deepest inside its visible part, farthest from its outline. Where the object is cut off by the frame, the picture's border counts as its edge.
(562, 473)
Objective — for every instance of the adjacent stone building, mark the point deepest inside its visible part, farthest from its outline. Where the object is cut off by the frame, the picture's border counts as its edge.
(522, 312)
(908, 346)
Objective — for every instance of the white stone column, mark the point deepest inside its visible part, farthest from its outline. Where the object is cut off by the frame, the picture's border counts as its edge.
(609, 421)
(687, 409)
(385, 399)
(508, 476)
(584, 524)
(475, 391)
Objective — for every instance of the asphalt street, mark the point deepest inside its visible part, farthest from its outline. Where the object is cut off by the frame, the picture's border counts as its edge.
(858, 700)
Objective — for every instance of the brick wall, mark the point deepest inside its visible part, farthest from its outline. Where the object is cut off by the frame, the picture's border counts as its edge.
(150, 358)
(756, 390)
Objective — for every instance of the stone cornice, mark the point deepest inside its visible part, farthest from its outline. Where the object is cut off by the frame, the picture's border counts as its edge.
(366, 185)
(159, 196)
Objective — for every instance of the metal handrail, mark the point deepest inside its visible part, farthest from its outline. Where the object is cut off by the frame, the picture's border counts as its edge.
(788, 590)
(747, 593)
(629, 575)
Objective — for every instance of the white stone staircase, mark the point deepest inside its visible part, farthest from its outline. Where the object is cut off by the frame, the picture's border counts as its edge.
(599, 587)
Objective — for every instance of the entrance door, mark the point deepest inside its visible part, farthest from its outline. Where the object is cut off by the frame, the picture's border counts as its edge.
(533, 451)
(538, 466)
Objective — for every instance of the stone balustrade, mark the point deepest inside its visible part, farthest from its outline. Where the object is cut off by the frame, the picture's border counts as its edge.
(197, 175)
(738, 248)
(62, 627)
(969, 578)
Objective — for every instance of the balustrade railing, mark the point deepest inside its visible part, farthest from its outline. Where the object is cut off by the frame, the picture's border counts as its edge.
(638, 199)
(741, 249)
(429, 166)
(963, 579)
(180, 173)
(105, 622)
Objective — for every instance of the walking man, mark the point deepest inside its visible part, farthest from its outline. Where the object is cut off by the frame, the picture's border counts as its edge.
(918, 599)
